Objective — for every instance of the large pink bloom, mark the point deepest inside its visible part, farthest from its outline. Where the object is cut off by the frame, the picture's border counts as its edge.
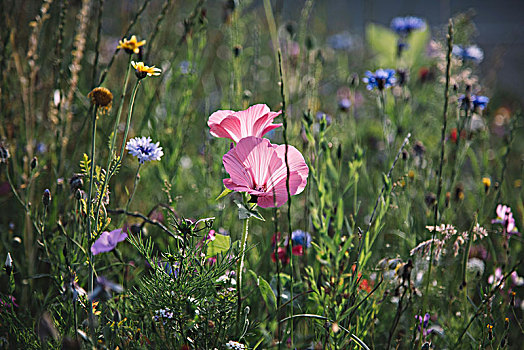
(258, 167)
(254, 121)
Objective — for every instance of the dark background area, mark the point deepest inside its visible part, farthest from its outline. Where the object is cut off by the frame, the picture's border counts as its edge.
(500, 29)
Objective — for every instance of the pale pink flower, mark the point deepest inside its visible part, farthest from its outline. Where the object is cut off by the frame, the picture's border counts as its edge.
(254, 121)
(258, 167)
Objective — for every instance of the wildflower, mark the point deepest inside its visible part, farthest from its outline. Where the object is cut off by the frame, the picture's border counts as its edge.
(46, 198)
(490, 331)
(496, 278)
(103, 289)
(258, 167)
(102, 98)
(344, 104)
(486, 181)
(473, 102)
(381, 79)
(8, 264)
(471, 53)
(144, 149)
(301, 238)
(234, 345)
(108, 241)
(341, 41)
(282, 256)
(142, 71)
(423, 322)
(505, 217)
(254, 121)
(405, 25)
(132, 45)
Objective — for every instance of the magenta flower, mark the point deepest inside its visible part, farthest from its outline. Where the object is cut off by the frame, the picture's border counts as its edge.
(505, 217)
(258, 167)
(108, 241)
(254, 121)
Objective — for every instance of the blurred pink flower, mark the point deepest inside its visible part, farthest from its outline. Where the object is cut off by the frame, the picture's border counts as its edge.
(258, 167)
(254, 121)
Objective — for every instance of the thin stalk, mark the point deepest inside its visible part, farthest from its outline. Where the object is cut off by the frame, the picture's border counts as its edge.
(137, 178)
(128, 121)
(442, 149)
(88, 218)
(288, 174)
(240, 267)
(109, 173)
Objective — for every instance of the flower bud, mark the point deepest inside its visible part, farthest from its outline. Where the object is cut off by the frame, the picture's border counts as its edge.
(34, 163)
(8, 264)
(46, 198)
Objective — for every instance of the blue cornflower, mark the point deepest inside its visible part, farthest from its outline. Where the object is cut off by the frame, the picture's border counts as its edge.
(144, 149)
(480, 102)
(472, 53)
(302, 238)
(381, 79)
(405, 25)
(341, 41)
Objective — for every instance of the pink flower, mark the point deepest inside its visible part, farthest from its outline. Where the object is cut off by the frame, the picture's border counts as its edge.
(254, 121)
(258, 167)
(108, 241)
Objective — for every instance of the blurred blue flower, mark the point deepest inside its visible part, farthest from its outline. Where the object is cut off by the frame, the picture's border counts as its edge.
(321, 115)
(381, 79)
(144, 149)
(471, 53)
(184, 67)
(344, 104)
(474, 102)
(104, 289)
(405, 25)
(302, 238)
(341, 41)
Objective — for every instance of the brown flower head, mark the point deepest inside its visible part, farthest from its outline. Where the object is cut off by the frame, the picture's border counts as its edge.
(101, 97)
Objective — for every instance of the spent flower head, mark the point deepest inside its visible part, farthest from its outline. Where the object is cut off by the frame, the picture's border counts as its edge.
(101, 97)
(381, 79)
(131, 45)
(142, 71)
(144, 149)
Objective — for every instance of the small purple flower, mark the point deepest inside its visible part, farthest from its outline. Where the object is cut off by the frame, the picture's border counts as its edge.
(108, 241)
(381, 79)
(344, 104)
(471, 53)
(302, 238)
(321, 115)
(144, 149)
(423, 322)
(405, 25)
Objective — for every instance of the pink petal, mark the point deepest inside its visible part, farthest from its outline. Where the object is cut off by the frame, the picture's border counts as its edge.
(218, 116)
(230, 127)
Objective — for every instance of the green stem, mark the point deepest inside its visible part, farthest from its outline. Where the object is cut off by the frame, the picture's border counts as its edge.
(128, 121)
(113, 139)
(88, 218)
(137, 178)
(240, 267)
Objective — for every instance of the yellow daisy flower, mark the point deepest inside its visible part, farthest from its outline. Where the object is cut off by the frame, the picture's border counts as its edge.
(132, 45)
(141, 70)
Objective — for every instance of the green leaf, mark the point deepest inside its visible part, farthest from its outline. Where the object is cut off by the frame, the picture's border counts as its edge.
(224, 193)
(245, 213)
(383, 42)
(220, 244)
(267, 293)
